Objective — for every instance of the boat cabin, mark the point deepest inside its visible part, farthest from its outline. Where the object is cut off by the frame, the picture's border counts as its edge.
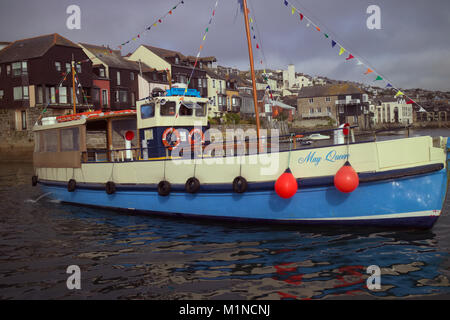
(151, 132)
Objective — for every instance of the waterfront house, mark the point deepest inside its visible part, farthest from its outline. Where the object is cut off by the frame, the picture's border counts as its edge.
(342, 103)
(216, 93)
(121, 73)
(180, 66)
(32, 73)
(391, 110)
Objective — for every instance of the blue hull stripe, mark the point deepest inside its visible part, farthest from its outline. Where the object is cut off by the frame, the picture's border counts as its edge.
(413, 201)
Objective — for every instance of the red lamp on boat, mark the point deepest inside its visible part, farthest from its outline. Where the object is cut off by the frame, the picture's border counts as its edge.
(346, 179)
(129, 135)
(286, 185)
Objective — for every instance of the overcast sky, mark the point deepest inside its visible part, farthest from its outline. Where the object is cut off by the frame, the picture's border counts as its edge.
(411, 49)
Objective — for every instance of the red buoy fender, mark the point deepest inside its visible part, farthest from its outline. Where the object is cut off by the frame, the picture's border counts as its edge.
(286, 185)
(346, 179)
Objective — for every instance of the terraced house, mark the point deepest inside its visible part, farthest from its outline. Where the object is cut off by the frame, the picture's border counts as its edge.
(32, 75)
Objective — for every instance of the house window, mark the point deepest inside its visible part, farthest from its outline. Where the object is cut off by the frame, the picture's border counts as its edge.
(311, 110)
(52, 95)
(123, 96)
(104, 97)
(58, 66)
(40, 95)
(62, 94)
(20, 93)
(214, 101)
(133, 99)
(182, 79)
(311, 100)
(1, 94)
(319, 110)
(329, 109)
(214, 83)
(24, 120)
(118, 78)
(68, 67)
(17, 69)
(327, 99)
(117, 96)
(199, 82)
(8, 70)
(177, 61)
(78, 68)
(131, 76)
(154, 76)
(102, 73)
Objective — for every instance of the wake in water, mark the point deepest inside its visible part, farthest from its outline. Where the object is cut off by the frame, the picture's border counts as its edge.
(39, 198)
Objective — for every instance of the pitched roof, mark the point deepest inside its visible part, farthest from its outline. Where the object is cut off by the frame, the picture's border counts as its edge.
(328, 90)
(33, 47)
(165, 53)
(112, 58)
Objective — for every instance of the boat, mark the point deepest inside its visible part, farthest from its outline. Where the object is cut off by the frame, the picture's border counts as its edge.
(164, 159)
(318, 136)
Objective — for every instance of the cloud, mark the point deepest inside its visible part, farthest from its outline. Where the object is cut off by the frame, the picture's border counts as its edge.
(411, 48)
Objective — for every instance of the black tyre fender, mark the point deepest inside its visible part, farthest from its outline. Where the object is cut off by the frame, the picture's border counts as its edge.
(192, 185)
(71, 185)
(34, 180)
(164, 188)
(110, 187)
(240, 184)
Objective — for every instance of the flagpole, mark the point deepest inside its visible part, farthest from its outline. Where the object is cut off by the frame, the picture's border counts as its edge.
(252, 69)
(73, 85)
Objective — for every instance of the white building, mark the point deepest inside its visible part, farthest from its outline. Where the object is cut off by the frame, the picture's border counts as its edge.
(392, 110)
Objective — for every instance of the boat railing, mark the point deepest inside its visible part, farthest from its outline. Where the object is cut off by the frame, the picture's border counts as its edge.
(225, 148)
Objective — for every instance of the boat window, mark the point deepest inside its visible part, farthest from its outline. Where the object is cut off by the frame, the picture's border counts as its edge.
(70, 140)
(148, 111)
(50, 138)
(168, 108)
(201, 111)
(186, 109)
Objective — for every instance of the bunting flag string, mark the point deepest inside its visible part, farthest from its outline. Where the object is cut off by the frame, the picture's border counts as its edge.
(351, 56)
(153, 25)
(205, 33)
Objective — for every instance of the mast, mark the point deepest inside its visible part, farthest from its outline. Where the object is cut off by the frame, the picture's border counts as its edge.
(252, 69)
(74, 98)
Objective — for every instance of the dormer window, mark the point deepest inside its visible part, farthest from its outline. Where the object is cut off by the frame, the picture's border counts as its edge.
(177, 60)
(102, 72)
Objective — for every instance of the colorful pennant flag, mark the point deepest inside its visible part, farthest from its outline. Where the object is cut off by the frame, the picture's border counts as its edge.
(341, 51)
(293, 10)
(368, 71)
(350, 56)
(301, 16)
(333, 43)
(378, 78)
(399, 93)
(389, 85)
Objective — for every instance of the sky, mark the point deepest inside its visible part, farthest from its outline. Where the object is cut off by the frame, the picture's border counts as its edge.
(410, 50)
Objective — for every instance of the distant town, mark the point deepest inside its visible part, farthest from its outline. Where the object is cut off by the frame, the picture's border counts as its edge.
(36, 80)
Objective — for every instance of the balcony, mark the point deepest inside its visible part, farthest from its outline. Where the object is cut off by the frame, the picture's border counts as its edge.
(348, 102)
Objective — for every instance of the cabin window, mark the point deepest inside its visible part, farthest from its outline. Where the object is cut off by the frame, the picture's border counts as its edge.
(168, 109)
(50, 139)
(148, 111)
(200, 111)
(186, 109)
(70, 139)
(58, 66)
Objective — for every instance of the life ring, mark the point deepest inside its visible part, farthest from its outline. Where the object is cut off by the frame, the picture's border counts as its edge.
(164, 188)
(169, 143)
(193, 133)
(110, 187)
(240, 184)
(34, 180)
(192, 185)
(71, 185)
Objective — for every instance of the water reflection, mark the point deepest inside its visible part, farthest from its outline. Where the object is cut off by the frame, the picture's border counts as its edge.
(124, 256)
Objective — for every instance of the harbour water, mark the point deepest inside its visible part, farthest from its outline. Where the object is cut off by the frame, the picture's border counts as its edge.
(125, 256)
